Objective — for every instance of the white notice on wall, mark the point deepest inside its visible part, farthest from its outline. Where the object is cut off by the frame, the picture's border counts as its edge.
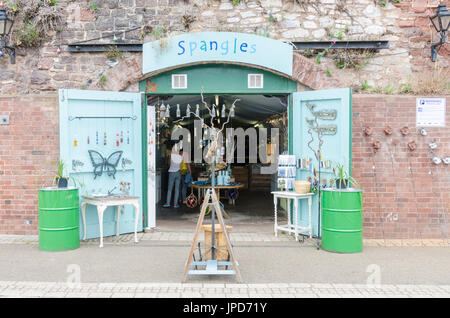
(430, 112)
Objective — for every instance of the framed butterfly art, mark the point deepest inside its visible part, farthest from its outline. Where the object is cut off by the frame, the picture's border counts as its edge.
(101, 163)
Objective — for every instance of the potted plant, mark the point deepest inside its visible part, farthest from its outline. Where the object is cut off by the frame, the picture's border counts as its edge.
(62, 178)
(343, 178)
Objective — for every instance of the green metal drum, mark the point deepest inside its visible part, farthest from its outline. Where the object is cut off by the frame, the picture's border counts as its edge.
(58, 219)
(342, 220)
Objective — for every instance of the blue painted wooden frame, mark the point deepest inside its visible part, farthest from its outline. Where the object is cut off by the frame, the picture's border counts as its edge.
(84, 103)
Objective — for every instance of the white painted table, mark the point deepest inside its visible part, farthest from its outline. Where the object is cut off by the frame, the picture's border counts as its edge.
(102, 203)
(292, 227)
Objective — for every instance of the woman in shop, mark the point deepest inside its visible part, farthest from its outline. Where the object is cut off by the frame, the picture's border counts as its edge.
(175, 159)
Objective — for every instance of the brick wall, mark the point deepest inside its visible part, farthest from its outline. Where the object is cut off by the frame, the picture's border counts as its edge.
(405, 194)
(27, 146)
(398, 202)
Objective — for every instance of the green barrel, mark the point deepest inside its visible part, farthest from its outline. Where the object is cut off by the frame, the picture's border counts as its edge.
(58, 219)
(342, 221)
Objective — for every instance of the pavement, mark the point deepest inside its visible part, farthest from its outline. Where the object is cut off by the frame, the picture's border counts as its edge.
(270, 267)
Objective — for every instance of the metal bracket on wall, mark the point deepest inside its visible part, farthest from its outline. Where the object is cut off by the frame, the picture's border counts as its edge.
(4, 119)
(121, 47)
(102, 117)
(362, 45)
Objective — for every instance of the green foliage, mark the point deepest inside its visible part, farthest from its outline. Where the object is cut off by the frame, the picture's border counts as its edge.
(62, 174)
(114, 53)
(319, 56)
(93, 6)
(389, 89)
(329, 73)
(343, 177)
(406, 88)
(365, 86)
(236, 2)
(28, 36)
(102, 79)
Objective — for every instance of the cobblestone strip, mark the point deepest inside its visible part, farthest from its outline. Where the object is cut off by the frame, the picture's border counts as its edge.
(14, 289)
(155, 235)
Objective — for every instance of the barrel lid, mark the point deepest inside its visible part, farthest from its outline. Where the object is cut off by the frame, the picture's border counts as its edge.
(57, 189)
(342, 190)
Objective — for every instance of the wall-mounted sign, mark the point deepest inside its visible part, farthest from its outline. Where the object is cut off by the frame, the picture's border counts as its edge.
(216, 47)
(430, 112)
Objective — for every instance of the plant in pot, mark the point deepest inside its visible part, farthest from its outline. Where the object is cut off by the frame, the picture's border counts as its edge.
(343, 179)
(62, 178)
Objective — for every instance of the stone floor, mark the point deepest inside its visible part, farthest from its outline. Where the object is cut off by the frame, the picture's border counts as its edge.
(16, 289)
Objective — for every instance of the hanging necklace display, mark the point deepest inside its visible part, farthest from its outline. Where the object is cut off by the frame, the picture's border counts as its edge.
(117, 140)
(75, 141)
(104, 139)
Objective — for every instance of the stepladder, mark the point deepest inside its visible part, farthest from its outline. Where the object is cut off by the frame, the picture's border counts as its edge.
(212, 266)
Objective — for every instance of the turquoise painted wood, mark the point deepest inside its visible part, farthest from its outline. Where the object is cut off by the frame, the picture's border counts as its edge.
(336, 148)
(229, 47)
(218, 79)
(77, 136)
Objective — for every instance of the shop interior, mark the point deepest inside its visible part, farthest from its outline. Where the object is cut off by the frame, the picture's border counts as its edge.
(252, 201)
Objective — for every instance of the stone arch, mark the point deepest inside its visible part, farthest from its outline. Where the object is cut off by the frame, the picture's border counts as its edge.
(128, 72)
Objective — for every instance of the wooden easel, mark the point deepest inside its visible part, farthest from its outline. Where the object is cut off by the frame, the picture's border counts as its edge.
(212, 265)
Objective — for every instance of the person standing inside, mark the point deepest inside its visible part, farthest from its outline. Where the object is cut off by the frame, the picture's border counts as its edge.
(175, 160)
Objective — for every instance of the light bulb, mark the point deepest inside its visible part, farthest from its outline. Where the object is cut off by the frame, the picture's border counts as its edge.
(232, 112)
(168, 111)
(188, 111)
(223, 111)
(197, 111)
(162, 110)
(213, 111)
(178, 110)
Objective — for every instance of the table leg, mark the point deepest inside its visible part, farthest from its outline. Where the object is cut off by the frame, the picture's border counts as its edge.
(118, 220)
(100, 210)
(296, 218)
(288, 201)
(83, 215)
(275, 202)
(309, 216)
(136, 219)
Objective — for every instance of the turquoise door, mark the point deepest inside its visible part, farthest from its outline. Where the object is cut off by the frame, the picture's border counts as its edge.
(333, 108)
(96, 125)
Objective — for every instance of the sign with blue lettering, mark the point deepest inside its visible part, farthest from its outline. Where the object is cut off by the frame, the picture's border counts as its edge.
(227, 47)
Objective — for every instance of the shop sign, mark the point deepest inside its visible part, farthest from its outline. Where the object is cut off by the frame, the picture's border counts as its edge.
(227, 47)
(430, 112)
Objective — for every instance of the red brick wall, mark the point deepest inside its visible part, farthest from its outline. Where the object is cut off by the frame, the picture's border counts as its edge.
(27, 146)
(398, 202)
(405, 194)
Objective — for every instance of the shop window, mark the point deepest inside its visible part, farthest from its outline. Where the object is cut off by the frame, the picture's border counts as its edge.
(255, 81)
(179, 81)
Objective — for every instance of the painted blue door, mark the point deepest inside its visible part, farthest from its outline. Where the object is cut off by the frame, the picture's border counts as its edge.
(334, 110)
(96, 124)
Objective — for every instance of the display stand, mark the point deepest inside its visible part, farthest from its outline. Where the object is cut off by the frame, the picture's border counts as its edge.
(211, 267)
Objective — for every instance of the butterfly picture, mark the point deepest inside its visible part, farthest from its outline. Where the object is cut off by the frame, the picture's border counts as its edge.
(101, 163)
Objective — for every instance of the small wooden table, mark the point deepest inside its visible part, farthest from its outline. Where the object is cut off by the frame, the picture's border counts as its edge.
(218, 188)
(292, 227)
(102, 203)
